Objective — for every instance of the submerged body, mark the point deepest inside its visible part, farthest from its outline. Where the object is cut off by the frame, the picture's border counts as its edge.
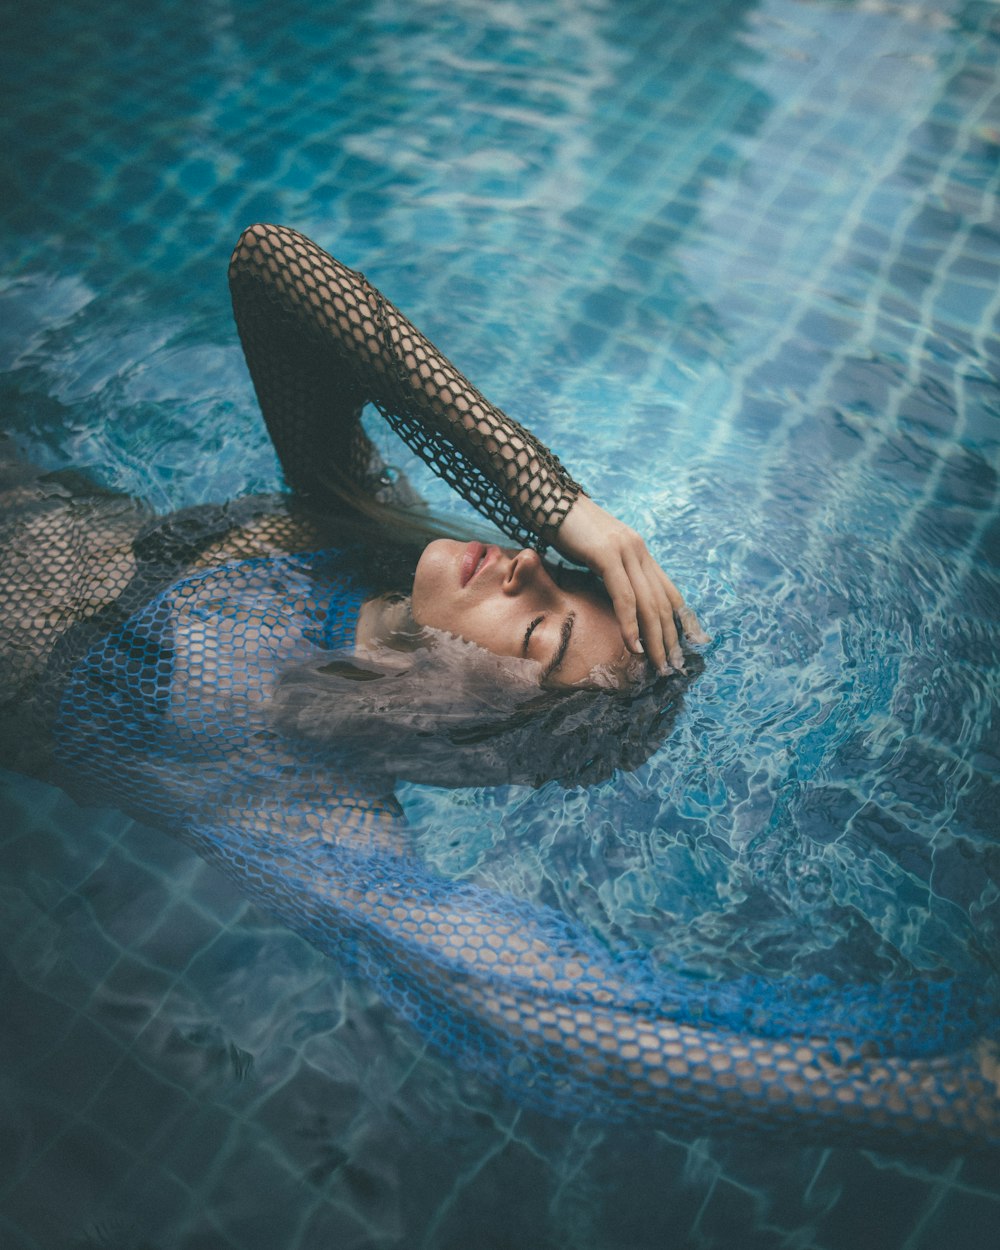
(150, 666)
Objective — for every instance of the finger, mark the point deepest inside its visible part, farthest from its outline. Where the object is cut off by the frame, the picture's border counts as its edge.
(670, 590)
(679, 614)
(623, 599)
(667, 625)
(688, 619)
(652, 640)
(655, 594)
(648, 613)
(669, 641)
(691, 625)
(656, 618)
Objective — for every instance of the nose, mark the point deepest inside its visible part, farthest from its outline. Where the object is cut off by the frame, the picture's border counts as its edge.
(525, 570)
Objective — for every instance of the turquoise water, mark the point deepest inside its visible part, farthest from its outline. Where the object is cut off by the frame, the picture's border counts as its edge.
(739, 264)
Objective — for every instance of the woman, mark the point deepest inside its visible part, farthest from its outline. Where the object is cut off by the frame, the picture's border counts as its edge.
(195, 670)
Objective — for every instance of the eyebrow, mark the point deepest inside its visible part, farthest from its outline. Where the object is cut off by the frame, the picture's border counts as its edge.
(564, 636)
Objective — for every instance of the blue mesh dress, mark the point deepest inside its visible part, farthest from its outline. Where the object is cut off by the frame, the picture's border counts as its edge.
(151, 687)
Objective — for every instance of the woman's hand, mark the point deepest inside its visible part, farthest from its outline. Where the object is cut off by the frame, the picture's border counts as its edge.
(647, 603)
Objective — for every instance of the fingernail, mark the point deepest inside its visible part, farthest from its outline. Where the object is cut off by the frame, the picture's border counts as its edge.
(637, 646)
(677, 658)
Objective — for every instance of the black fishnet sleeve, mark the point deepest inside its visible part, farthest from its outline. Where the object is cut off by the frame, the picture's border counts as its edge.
(321, 342)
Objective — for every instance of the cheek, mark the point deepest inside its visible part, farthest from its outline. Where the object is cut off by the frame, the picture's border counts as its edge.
(430, 582)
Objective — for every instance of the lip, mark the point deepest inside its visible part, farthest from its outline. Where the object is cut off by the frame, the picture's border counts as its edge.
(474, 560)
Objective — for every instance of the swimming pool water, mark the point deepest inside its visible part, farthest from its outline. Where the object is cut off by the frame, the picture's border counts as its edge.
(739, 264)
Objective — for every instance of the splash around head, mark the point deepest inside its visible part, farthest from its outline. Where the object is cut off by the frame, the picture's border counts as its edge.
(513, 604)
(500, 670)
(446, 712)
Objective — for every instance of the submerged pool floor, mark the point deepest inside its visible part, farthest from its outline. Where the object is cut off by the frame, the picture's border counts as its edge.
(740, 265)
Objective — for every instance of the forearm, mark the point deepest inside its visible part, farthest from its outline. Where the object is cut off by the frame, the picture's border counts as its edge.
(573, 1027)
(518, 995)
(321, 342)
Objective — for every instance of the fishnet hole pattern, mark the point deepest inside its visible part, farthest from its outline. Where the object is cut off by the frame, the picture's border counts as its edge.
(64, 563)
(77, 561)
(166, 715)
(320, 342)
(168, 718)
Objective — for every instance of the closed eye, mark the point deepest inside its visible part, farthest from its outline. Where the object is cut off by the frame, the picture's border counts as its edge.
(529, 631)
(565, 633)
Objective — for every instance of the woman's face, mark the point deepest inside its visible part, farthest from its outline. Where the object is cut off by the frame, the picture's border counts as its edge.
(509, 603)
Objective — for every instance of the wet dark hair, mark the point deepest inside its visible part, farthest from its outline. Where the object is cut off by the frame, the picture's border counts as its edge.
(454, 715)
(434, 709)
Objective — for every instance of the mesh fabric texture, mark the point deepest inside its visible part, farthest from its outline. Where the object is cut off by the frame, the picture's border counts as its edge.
(161, 641)
(168, 718)
(321, 342)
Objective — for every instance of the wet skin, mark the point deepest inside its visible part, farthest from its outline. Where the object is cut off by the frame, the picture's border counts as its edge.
(509, 603)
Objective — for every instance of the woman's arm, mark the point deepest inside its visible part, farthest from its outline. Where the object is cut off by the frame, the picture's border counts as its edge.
(321, 342)
(517, 994)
